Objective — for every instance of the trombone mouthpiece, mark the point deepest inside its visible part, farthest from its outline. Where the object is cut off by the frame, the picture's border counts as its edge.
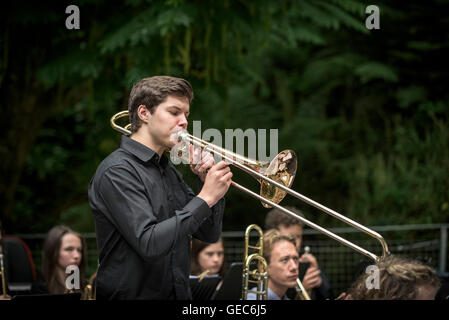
(306, 250)
(178, 136)
(181, 134)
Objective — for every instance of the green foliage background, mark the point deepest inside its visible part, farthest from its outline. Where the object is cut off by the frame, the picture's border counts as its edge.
(365, 110)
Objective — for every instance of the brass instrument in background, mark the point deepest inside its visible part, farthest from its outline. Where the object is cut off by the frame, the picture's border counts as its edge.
(90, 292)
(276, 178)
(259, 275)
(301, 292)
(203, 275)
(4, 295)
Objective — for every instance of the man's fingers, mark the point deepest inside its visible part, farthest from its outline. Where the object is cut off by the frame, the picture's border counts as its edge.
(195, 156)
(227, 177)
(199, 158)
(206, 155)
(314, 273)
(222, 173)
(206, 166)
(315, 283)
(312, 282)
(222, 164)
(191, 154)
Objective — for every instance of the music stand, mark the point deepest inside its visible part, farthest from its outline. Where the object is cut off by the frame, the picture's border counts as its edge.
(231, 288)
(205, 288)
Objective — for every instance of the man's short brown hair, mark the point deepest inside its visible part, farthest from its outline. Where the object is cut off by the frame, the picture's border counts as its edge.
(152, 91)
(271, 237)
(276, 218)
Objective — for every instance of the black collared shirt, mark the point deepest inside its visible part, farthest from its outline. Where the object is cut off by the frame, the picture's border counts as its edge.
(145, 215)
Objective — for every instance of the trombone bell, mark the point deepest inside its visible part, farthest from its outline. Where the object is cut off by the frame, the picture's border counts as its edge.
(282, 169)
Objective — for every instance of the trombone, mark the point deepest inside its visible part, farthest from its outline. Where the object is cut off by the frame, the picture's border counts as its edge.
(275, 178)
(259, 275)
(4, 295)
(301, 292)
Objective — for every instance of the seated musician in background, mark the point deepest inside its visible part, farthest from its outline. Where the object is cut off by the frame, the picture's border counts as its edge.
(314, 281)
(398, 279)
(207, 259)
(281, 254)
(63, 247)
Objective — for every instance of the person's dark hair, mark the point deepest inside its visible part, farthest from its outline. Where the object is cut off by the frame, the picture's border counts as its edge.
(152, 91)
(276, 218)
(399, 279)
(197, 247)
(271, 237)
(50, 260)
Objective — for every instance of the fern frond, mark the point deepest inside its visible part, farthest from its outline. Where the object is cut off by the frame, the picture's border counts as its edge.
(376, 70)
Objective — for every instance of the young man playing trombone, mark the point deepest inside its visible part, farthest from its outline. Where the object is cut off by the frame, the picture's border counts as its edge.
(145, 215)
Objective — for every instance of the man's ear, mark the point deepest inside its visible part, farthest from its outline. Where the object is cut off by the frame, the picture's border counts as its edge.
(143, 113)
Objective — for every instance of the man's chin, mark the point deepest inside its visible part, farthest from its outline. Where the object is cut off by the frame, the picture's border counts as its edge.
(170, 143)
(291, 283)
(169, 146)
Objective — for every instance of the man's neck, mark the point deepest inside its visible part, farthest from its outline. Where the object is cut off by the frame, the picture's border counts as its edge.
(147, 141)
(278, 290)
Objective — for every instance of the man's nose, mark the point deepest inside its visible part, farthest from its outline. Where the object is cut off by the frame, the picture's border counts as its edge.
(183, 121)
(293, 266)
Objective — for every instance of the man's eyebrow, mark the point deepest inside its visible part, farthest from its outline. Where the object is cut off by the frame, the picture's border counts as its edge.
(290, 256)
(176, 107)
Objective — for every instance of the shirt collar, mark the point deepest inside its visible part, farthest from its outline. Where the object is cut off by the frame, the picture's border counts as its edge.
(142, 152)
(273, 296)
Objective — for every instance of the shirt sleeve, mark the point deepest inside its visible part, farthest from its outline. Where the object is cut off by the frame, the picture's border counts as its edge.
(210, 229)
(128, 207)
